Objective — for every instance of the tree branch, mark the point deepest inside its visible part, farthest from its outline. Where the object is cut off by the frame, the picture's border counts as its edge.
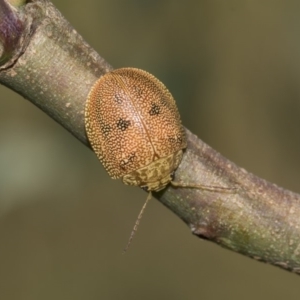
(46, 61)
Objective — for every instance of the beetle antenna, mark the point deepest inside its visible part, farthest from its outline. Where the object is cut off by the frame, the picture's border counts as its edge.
(137, 222)
(211, 188)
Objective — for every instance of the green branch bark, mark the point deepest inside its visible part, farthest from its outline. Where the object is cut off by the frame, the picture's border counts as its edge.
(47, 62)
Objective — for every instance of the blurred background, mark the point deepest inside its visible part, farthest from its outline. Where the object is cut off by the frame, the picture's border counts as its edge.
(233, 67)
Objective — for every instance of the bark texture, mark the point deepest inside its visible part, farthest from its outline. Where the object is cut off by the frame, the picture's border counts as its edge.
(47, 62)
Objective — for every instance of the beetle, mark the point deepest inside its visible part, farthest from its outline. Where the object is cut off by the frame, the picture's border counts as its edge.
(134, 127)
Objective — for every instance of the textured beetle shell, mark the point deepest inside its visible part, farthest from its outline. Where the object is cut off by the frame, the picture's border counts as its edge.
(131, 121)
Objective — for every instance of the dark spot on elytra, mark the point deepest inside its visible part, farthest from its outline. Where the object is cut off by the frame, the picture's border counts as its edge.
(118, 98)
(175, 140)
(126, 162)
(179, 139)
(155, 109)
(123, 124)
(106, 129)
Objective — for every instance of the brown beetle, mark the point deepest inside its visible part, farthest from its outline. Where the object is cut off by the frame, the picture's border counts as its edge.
(134, 127)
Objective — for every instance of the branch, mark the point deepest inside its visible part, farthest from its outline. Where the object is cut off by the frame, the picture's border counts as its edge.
(46, 61)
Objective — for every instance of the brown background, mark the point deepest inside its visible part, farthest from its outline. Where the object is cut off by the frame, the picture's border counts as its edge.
(233, 67)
